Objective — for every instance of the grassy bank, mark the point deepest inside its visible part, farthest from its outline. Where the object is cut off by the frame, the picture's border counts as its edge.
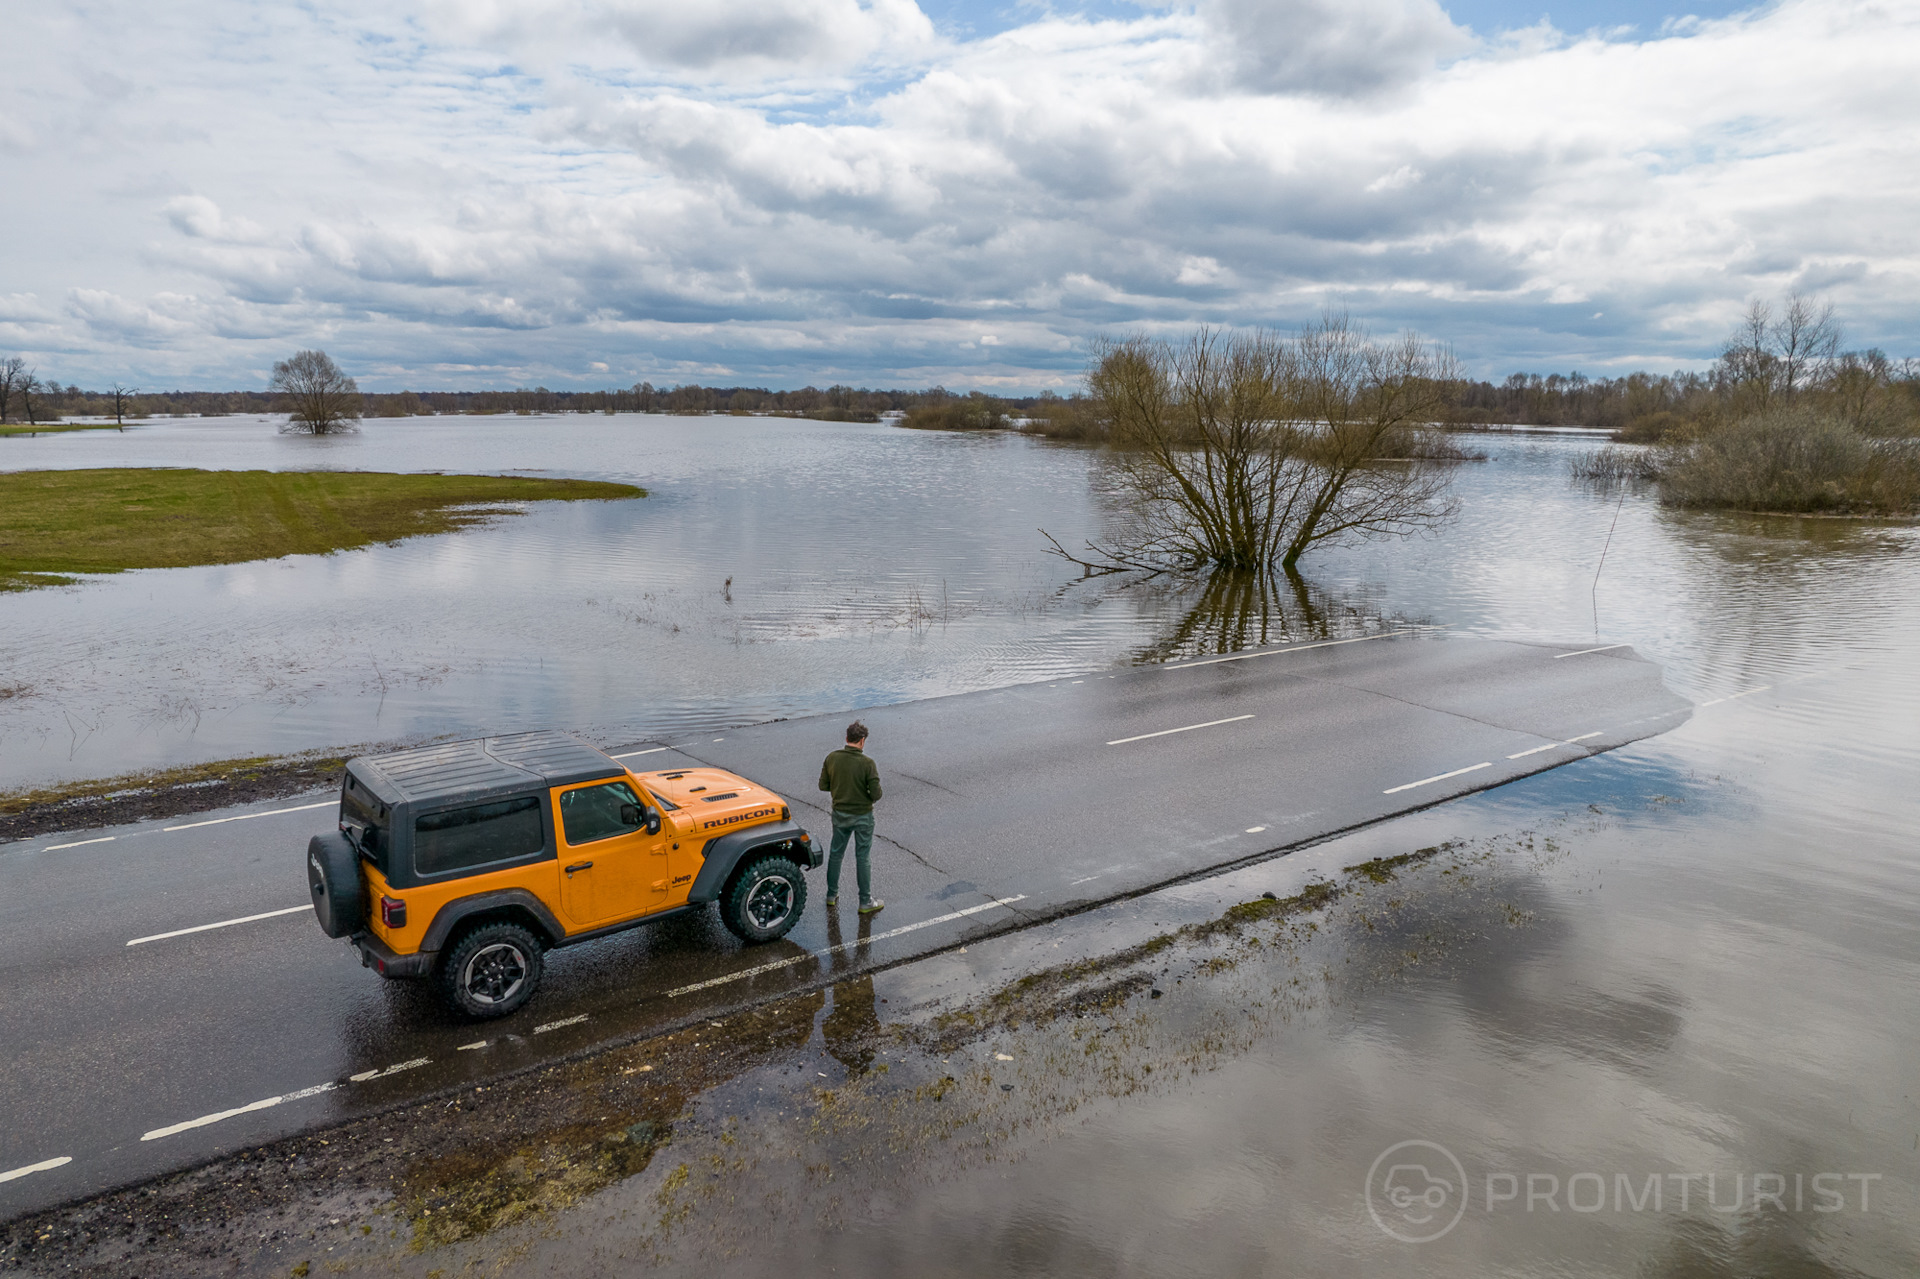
(54, 428)
(168, 792)
(57, 523)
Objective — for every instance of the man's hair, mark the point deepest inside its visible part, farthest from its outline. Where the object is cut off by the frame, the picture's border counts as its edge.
(856, 732)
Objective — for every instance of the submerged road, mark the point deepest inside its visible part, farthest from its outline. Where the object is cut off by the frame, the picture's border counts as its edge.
(169, 995)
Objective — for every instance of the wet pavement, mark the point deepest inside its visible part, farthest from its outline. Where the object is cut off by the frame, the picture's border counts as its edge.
(1003, 808)
(1689, 958)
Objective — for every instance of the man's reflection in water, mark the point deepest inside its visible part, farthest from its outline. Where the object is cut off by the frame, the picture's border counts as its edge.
(852, 1024)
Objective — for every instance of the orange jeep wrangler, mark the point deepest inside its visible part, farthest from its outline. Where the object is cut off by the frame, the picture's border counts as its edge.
(466, 862)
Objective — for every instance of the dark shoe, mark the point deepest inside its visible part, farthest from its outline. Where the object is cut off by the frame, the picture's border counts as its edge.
(834, 900)
(875, 905)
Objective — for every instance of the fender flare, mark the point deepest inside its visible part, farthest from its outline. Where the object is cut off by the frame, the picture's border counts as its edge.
(724, 853)
(451, 915)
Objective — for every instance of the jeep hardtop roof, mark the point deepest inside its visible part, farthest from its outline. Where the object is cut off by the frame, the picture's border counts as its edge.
(483, 766)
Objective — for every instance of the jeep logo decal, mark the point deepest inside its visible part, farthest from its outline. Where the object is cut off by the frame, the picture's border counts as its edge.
(737, 818)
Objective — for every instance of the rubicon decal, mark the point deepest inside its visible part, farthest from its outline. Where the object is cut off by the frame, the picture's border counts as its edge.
(737, 818)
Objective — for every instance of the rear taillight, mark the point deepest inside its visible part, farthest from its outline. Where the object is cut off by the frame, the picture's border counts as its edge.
(393, 912)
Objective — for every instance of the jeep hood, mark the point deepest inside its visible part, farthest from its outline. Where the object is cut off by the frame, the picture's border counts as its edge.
(715, 800)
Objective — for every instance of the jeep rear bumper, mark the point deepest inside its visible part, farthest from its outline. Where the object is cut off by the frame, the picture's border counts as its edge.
(380, 957)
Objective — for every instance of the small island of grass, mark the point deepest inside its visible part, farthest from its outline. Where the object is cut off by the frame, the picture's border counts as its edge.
(55, 524)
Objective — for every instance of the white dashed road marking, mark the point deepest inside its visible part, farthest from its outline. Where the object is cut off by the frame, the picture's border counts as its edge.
(247, 817)
(651, 750)
(264, 1104)
(555, 1025)
(225, 923)
(79, 843)
(845, 945)
(366, 1075)
(1273, 652)
(1745, 692)
(1581, 652)
(1187, 729)
(1438, 777)
(1551, 746)
(45, 1165)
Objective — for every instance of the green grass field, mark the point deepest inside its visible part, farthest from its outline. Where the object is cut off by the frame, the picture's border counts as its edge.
(53, 428)
(54, 524)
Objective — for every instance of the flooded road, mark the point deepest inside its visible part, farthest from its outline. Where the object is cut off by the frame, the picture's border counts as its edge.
(1688, 965)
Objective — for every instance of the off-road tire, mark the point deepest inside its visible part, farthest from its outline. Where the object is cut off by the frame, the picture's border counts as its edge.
(764, 899)
(491, 971)
(335, 886)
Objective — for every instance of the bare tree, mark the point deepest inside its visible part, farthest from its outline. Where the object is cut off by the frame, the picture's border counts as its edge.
(1243, 452)
(1771, 357)
(1807, 339)
(322, 399)
(12, 369)
(121, 395)
(28, 384)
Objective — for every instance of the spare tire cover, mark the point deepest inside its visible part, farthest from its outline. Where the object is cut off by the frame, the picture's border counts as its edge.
(333, 879)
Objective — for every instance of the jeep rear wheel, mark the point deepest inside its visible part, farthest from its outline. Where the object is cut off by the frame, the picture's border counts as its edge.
(764, 900)
(492, 970)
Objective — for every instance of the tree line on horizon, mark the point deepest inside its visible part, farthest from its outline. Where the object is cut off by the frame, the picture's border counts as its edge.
(1789, 352)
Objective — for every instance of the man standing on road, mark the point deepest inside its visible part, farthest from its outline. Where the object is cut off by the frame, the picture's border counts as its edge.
(855, 784)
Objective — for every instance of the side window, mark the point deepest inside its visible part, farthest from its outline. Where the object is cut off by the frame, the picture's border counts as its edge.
(593, 812)
(463, 838)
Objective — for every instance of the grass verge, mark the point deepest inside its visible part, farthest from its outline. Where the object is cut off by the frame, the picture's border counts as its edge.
(173, 792)
(54, 524)
(54, 428)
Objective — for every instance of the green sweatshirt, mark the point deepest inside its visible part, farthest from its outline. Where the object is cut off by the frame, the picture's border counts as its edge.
(852, 778)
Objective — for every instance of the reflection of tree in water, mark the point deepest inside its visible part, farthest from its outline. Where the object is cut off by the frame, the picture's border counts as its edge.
(1241, 610)
(852, 1025)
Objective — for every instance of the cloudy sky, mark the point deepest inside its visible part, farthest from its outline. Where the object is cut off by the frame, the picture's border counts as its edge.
(588, 193)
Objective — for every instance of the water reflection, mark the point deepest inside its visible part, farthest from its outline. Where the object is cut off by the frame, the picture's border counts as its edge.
(1228, 612)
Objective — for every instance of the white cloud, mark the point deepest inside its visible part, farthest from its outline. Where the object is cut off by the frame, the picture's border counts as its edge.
(799, 190)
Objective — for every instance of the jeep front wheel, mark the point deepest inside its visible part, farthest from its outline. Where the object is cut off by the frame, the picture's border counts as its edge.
(492, 971)
(764, 900)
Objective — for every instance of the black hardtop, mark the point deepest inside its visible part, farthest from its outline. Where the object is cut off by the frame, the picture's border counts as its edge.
(482, 767)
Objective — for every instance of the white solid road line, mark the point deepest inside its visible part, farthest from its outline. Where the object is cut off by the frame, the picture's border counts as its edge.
(263, 1104)
(225, 923)
(247, 817)
(1440, 777)
(44, 1165)
(1188, 729)
(1297, 648)
(845, 945)
(1552, 745)
(652, 750)
(1745, 692)
(79, 843)
(1581, 652)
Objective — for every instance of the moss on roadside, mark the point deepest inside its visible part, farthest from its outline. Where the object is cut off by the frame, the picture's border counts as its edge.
(172, 792)
(54, 524)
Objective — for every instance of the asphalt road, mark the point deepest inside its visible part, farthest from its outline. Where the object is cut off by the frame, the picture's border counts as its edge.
(169, 995)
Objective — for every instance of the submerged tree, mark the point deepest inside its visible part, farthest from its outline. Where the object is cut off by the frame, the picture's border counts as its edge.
(321, 398)
(1243, 452)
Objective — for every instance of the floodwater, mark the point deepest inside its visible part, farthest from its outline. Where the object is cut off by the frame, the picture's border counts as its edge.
(1692, 960)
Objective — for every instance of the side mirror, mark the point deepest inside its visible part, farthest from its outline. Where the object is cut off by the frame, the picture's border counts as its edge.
(630, 815)
(653, 821)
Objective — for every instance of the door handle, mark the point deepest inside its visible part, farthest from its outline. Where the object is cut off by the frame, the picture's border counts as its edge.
(578, 866)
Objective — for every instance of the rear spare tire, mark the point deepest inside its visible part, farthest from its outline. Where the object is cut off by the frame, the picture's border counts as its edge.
(338, 892)
(492, 970)
(764, 900)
